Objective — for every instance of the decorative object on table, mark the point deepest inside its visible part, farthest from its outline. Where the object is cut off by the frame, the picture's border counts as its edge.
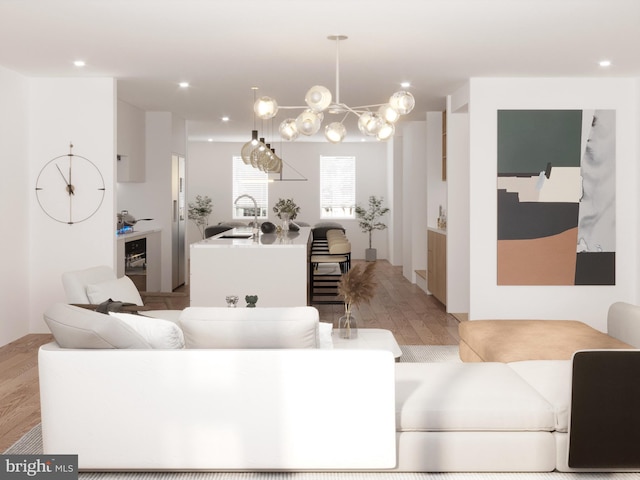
(287, 206)
(251, 300)
(294, 227)
(442, 218)
(286, 210)
(268, 227)
(379, 123)
(368, 221)
(355, 286)
(70, 188)
(232, 301)
(199, 212)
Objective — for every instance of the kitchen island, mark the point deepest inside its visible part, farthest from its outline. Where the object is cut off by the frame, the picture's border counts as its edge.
(273, 267)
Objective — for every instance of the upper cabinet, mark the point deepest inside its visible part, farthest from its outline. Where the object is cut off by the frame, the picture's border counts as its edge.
(131, 143)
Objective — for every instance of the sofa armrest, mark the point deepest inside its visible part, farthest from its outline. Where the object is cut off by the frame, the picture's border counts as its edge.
(623, 323)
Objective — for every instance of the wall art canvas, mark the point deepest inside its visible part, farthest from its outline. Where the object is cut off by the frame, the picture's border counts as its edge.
(556, 197)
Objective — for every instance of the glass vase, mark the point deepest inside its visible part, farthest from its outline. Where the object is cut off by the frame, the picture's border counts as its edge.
(285, 222)
(347, 326)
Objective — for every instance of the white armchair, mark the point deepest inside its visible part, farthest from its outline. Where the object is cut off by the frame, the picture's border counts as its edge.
(95, 285)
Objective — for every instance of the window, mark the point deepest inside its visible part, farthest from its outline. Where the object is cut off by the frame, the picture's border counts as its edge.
(248, 180)
(337, 187)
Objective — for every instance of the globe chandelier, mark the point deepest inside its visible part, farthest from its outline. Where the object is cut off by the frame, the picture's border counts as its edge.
(373, 120)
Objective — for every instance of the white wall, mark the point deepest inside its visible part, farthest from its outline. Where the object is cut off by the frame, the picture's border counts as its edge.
(16, 190)
(394, 187)
(414, 193)
(436, 187)
(131, 143)
(60, 111)
(458, 201)
(209, 173)
(585, 303)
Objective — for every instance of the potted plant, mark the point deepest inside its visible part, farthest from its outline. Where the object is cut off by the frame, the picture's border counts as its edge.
(286, 210)
(355, 286)
(199, 212)
(368, 221)
(286, 207)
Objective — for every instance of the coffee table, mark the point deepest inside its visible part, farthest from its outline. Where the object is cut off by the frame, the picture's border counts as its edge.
(368, 339)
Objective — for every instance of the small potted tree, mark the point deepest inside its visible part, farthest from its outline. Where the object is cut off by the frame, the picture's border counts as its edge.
(199, 212)
(369, 221)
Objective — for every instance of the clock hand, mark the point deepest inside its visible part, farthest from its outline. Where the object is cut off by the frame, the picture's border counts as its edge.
(70, 188)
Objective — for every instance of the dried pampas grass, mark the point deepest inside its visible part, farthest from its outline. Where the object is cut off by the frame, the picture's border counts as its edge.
(358, 285)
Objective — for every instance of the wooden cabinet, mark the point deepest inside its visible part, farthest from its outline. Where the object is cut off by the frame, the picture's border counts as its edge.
(437, 264)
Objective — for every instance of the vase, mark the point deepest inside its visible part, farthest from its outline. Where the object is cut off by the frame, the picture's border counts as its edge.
(285, 222)
(347, 326)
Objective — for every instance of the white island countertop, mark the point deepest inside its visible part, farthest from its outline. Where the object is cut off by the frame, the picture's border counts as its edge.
(274, 267)
(242, 237)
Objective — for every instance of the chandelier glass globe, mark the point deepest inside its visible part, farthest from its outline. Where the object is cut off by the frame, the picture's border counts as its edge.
(308, 122)
(318, 98)
(265, 108)
(288, 129)
(388, 113)
(402, 102)
(386, 131)
(373, 124)
(335, 132)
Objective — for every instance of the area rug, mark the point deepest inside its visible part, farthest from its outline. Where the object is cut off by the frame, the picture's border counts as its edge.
(429, 353)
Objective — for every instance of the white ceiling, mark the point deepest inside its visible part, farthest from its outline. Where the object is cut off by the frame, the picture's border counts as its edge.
(224, 47)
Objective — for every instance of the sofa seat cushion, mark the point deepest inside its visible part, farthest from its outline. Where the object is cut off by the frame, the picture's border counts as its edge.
(552, 380)
(468, 397)
(517, 340)
(216, 327)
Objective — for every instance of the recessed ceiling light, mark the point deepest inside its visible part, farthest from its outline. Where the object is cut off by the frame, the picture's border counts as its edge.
(405, 84)
(605, 63)
(210, 140)
(184, 84)
(225, 119)
(79, 63)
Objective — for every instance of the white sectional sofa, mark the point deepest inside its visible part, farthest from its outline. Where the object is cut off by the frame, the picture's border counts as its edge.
(300, 408)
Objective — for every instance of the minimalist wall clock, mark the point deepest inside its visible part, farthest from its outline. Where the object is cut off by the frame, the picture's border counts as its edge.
(70, 188)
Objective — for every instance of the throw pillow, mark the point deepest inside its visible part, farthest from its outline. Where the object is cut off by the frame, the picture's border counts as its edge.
(159, 333)
(75, 327)
(267, 327)
(121, 289)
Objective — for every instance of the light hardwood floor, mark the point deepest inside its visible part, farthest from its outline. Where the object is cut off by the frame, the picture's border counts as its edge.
(414, 317)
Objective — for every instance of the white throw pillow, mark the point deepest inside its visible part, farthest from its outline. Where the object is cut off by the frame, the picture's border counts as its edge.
(159, 333)
(119, 290)
(270, 327)
(75, 327)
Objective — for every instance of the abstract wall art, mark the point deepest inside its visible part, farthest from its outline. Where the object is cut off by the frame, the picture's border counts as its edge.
(556, 197)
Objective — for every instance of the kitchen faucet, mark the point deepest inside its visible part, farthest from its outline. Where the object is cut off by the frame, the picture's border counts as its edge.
(255, 212)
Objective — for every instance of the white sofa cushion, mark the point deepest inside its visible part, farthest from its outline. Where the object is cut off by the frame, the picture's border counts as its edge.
(468, 397)
(75, 327)
(158, 332)
(552, 380)
(219, 327)
(121, 289)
